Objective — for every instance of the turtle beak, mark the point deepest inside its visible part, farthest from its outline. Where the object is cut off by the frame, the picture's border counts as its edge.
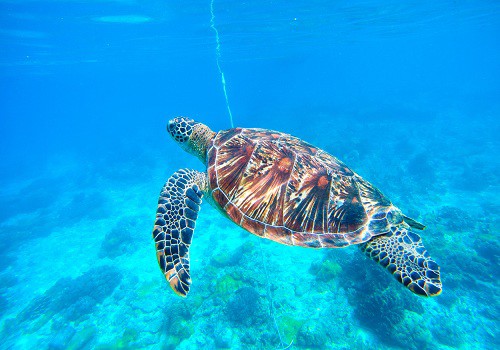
(170, 125)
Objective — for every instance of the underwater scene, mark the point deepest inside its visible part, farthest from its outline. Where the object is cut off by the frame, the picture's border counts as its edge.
(405, 94)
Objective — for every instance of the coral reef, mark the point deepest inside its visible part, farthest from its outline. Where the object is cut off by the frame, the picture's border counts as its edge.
(119, 240)
(87, 205)
(73, 299)
(326, 270)
(421, 169)
(226, 286)
(412, 332)
(83, 338)
(448, 333)
(244, 307)
(290, 327)
(377, 306)
(312, 334)
(455, 219)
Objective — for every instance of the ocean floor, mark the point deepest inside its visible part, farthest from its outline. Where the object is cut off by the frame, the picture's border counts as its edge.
(78, 267)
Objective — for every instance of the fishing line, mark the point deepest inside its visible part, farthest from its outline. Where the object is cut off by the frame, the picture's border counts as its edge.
(217, 58)
(223, 80)
(271, 301)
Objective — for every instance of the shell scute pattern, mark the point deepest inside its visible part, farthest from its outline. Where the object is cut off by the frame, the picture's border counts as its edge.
(262, 188)
(280, 187)
(307, 197)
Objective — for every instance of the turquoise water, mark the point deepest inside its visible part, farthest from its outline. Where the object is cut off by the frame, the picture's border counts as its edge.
(405, 93)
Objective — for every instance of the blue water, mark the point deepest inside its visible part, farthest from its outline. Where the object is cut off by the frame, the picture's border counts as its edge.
(406, 93)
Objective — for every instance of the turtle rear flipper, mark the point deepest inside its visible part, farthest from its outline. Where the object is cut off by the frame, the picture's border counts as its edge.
(404, 255)
(178, 208)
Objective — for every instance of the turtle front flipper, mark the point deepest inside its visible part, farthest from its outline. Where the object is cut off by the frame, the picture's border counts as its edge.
(178, 208)
(404, 255)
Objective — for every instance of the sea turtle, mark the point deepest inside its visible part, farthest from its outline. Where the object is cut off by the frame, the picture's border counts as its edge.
(281, 188)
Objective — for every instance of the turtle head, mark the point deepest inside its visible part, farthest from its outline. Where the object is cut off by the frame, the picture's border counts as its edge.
(181, 128)
(192, 136)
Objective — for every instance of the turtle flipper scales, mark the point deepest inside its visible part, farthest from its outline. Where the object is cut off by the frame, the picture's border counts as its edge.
(403, 254)
(178, 208)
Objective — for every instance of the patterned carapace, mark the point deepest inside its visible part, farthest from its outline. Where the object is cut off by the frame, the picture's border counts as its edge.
(282, 188)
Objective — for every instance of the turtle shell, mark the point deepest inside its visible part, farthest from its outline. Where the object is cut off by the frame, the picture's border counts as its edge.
(282, 188)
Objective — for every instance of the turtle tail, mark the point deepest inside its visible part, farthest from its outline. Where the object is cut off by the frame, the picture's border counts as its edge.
(403, 254)
(413, 223)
